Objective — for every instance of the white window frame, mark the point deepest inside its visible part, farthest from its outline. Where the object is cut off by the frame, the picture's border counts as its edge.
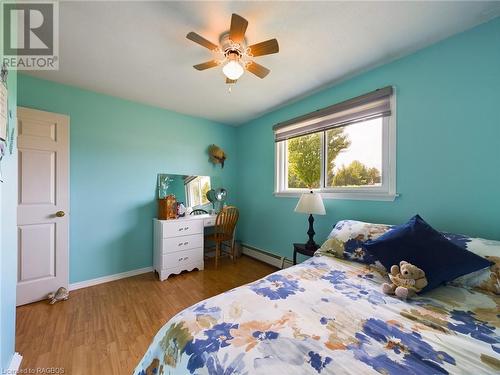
(384, 192)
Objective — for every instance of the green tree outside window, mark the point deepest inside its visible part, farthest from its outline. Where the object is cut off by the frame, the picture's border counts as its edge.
(304, 162)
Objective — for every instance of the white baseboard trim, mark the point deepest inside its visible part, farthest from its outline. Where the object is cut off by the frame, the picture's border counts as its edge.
(15, 363)
(266, 256)
(253, 252)
(107, 279)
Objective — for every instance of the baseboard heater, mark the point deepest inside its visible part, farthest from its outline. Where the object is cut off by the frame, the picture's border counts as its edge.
(266, 256)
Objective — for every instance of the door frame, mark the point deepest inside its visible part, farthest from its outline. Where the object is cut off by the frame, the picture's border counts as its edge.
(63, 118)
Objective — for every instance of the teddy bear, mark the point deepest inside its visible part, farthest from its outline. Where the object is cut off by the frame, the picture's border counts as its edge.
(406, 280)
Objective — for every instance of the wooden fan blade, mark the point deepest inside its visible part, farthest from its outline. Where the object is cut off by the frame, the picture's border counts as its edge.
(265, 48)
(238, 28)
(206, 65)
(257, 69)
(230, 81)
(201, 41)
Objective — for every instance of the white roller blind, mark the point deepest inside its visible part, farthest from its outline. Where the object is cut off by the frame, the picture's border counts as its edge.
(365, 107)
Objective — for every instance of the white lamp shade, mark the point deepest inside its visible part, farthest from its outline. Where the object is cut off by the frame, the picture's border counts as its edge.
(311, 203)
(233, 70)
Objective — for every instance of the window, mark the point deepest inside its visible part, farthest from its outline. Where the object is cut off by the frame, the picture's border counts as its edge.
(196, 190)
(343, 151)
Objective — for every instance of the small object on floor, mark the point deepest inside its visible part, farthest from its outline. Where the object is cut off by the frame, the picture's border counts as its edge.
(61, 294)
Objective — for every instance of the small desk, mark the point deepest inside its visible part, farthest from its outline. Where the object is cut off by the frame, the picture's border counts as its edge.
(178, 244)
(301, 249)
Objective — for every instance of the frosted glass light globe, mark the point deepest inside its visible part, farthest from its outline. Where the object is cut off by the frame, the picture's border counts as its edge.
(233, 70)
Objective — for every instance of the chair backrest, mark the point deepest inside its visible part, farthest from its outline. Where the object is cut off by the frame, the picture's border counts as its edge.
(226, 220)
(199, 211)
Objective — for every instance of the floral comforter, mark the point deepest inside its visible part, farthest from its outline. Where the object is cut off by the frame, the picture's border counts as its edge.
(328, 316)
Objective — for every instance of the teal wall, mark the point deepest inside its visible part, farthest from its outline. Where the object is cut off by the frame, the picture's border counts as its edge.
(447, 161)
(117, 149)
(448, 147)
(8, 237)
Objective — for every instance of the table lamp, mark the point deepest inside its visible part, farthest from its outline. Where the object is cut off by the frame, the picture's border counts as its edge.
(311, 203)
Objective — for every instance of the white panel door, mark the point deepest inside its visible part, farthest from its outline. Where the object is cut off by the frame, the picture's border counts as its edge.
(43, 204)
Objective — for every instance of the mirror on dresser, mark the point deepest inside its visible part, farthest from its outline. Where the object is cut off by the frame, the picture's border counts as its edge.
(190, 190)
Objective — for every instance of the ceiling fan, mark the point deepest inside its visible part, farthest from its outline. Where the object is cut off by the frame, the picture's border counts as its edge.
(235, 56)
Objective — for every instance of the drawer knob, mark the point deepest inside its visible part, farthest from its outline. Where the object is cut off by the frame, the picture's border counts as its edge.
(185, 243)
(180, 244)
(180, 229)
(186, 228)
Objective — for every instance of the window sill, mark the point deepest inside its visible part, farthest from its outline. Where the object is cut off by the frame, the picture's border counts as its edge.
(363, 196)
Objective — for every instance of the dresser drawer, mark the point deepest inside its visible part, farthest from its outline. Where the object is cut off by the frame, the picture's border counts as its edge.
(173, 244)
(174, 228)
(180, 258)
(209, 222)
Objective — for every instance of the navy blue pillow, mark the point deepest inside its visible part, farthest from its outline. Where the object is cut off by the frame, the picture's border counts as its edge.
(420, 244)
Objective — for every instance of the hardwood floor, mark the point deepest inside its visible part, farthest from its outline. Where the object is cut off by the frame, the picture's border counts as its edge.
(106, 329)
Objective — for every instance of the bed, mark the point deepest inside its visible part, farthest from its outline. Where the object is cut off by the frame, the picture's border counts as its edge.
(328, 316)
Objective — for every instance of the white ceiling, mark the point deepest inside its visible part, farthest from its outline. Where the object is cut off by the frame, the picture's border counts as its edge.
(138, 50)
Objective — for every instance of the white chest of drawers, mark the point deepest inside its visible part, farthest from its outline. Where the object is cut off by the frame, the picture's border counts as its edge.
(178, 244)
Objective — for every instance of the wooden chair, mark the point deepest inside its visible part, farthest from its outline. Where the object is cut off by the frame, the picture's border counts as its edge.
(225, 223)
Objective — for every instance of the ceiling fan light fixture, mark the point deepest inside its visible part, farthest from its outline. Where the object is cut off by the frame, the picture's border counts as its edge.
(233, 70)
(237, 54)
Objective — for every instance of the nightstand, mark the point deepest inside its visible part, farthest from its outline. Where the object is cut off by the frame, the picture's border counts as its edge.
(301, 249)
